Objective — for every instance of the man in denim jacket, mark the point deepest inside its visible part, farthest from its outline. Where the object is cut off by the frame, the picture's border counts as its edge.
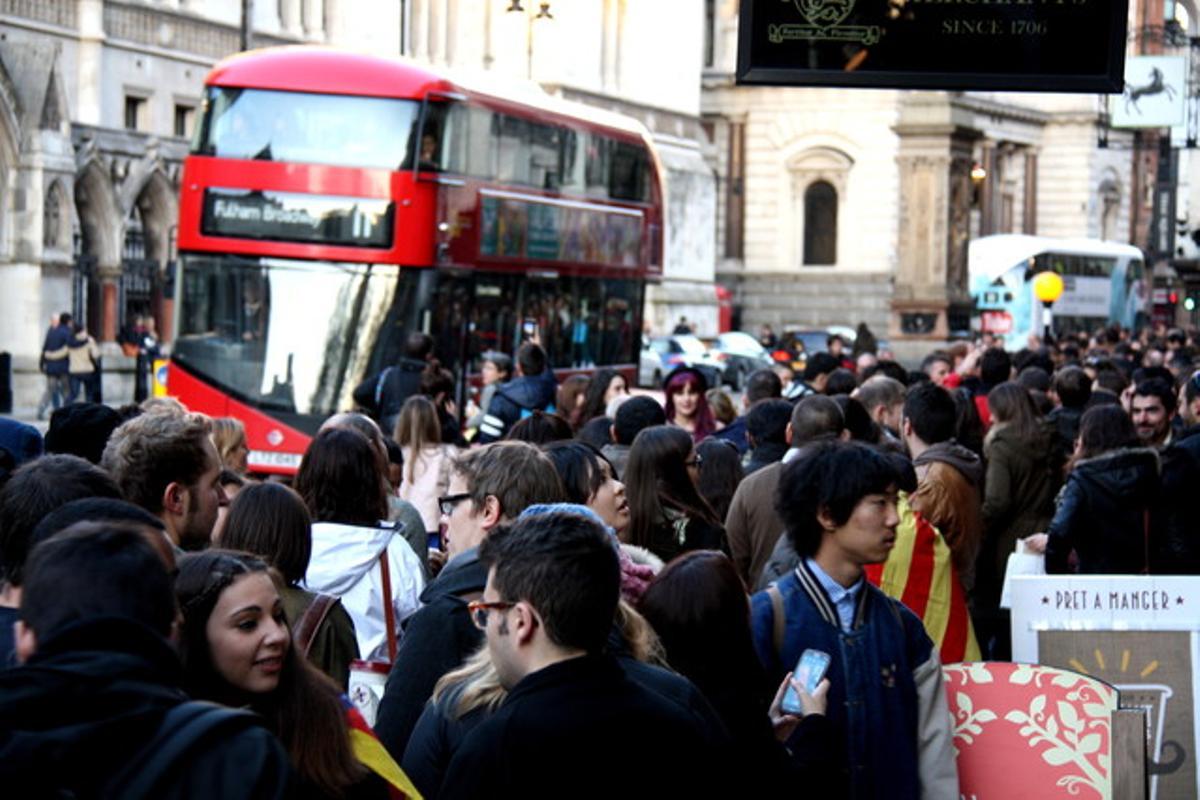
(838, 503)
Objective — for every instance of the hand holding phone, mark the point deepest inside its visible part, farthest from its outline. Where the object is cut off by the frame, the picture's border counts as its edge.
(809, 672)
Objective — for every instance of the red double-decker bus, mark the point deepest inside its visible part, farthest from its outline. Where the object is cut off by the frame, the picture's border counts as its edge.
(334, 202)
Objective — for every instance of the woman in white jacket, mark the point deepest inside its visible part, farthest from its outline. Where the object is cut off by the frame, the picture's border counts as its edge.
(340, 482)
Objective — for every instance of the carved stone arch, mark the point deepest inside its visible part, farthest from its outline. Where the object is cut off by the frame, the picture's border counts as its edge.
(151, 192)
(818, 172)
(10, 150)
(100, 219)
(59, 221)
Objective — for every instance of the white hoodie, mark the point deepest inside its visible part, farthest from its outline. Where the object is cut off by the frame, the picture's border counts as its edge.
(345, 564)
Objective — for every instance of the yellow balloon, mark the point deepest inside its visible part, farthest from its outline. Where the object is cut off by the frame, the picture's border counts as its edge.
(1047, 286)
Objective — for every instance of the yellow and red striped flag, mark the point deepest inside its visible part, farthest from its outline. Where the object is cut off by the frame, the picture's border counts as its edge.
(919, 574)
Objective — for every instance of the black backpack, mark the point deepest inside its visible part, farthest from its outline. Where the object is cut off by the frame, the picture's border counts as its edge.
(186, 729)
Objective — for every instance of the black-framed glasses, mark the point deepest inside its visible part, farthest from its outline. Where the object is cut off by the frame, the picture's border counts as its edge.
(478, 609)
(695, 461)
(446, 503)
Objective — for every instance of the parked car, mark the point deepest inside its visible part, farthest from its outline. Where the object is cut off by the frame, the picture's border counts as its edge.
(740, 354)
(661, 354)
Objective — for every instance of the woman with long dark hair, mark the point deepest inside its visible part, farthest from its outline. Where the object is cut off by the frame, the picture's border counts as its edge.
(590, 480)
(720, 473)
(1103, 511)
(271, 521)
(686, 406)
(340, 483)
(606, 385)
(698, 607)
(667, 515)
(237, 650)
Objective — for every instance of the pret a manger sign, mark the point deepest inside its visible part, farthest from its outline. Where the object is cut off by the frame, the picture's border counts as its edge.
(1035, 45)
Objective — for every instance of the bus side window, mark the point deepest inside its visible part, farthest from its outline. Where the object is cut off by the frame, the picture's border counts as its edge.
(514, 150)
(544, 154)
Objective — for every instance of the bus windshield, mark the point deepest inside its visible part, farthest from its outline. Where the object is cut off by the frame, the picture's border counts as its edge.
(297, 337)
(338, 130)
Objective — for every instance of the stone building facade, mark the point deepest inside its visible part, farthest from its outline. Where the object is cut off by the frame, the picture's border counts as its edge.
(98, 98)
(840, 206)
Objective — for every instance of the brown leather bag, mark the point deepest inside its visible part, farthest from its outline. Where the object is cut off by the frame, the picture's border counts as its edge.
(310, 621)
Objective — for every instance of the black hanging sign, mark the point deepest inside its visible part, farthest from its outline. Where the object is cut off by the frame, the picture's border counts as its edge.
(1017, 45)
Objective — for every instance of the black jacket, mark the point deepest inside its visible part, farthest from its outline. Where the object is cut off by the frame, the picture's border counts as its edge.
(1175, 546)
(89, 702)
(515, 399)
(582, 728)
(439, 733)
(384, 392)
(735, 432)
(1066, 428)
(437, 639)
(1102, 512)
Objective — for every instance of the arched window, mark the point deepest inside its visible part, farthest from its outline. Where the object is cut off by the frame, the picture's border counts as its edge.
(820, 223)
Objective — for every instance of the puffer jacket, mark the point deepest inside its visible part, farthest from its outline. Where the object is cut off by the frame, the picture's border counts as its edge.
(1103, 514)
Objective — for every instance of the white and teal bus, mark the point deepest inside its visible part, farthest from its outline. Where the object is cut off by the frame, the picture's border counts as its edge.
(1103, 283)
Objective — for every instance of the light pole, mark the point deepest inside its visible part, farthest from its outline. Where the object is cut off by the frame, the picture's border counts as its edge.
(1047, 287)
(543, 13)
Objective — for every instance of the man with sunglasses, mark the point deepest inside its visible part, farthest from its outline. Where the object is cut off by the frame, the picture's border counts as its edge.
(489, 486)
(572, 723)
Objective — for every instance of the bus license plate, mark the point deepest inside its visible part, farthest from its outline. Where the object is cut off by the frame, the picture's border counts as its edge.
(268, 458)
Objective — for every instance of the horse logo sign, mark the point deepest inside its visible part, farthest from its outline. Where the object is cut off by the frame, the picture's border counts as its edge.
(824, 18)
(1154, 95)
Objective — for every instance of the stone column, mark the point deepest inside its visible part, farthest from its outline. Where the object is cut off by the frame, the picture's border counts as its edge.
(935, 195)
(110, 314)
(90, 57)
(289, 17)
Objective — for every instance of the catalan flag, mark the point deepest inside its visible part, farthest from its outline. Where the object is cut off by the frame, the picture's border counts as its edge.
(919, 574)
(373, 756)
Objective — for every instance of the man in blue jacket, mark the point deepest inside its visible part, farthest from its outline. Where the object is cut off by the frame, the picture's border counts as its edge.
(886, 698)
(532, 390)
(56, 364)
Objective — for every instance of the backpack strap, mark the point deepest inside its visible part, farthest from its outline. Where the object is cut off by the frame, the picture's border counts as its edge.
(310, 621)
(389, 613)
(383, 376)
(185, 727)
(778, 618)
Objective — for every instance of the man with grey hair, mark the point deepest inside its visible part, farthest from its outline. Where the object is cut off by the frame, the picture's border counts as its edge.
(167, 464)
(883, 397)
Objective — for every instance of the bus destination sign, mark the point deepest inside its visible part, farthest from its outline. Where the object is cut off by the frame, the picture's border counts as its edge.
(1017, 45)
(292, 217)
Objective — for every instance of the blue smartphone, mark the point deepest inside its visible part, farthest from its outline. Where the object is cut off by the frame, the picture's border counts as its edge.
(810, 669)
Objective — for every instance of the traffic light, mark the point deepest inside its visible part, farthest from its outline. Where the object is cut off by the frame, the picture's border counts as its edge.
(1189, 303)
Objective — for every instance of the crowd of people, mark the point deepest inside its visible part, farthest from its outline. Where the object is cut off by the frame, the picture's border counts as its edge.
(573, 591)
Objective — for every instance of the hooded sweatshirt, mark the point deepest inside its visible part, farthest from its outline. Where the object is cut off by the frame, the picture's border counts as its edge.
(1102, 513)
(345, 564)
(949, 495)
(516, 400)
